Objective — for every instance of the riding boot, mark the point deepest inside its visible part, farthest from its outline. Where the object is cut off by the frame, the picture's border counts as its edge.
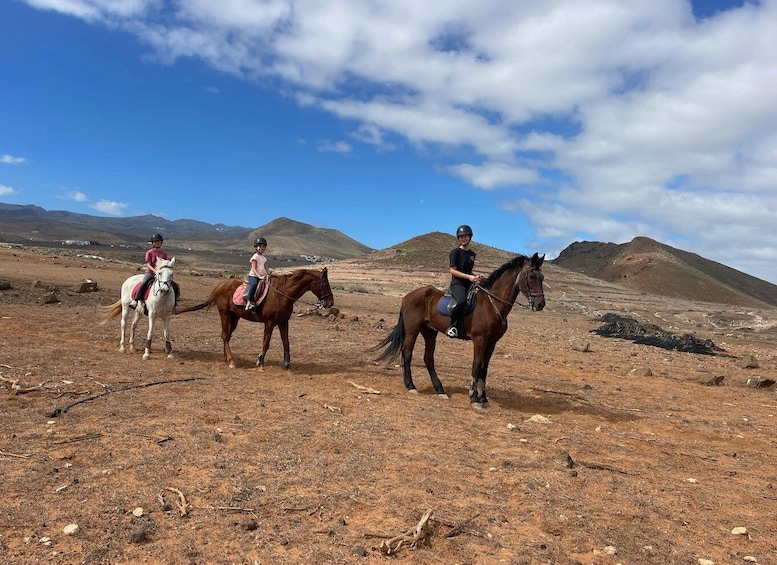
(453, 330)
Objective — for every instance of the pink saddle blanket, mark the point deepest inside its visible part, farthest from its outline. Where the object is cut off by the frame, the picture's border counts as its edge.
(237, 296)
(145, 295)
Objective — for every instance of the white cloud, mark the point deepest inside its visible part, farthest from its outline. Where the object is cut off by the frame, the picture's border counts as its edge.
(6, 190)
(77, 196)
(11, 160)
(109, 207)
(326, 145)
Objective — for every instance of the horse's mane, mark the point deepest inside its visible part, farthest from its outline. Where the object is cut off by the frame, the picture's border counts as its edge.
(511, 265)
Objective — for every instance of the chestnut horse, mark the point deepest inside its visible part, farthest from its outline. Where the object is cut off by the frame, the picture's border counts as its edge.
(484, 326)
(275, 310)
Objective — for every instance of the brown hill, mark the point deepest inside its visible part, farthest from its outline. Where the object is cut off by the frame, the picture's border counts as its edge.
(650, 266)
(430, 252)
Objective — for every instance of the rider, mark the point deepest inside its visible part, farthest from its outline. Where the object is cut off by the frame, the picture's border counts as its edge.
(462, 261)
(258, 271)
(152, 256)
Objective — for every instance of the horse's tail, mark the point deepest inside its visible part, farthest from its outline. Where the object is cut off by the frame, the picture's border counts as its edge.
(207, 304)
(111, 311)
(393, 342)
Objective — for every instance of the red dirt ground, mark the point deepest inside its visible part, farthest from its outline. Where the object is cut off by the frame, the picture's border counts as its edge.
(582, 457)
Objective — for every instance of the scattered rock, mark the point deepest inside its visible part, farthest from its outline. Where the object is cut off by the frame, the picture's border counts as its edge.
(538, 419)
(359, 550)
(139, 536)
(717, 380)
(641, 372)
(70, 529)
(86, 286)
(748, 362)
(5, 285)
(138, 512)
(582, 346)
(739, 531)
(51, 298)
(760, 382)
(249, 524)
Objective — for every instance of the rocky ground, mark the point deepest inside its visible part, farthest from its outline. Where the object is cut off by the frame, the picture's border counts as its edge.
(594, 450)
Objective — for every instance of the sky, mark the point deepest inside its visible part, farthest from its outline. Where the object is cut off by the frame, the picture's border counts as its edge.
(537, 122)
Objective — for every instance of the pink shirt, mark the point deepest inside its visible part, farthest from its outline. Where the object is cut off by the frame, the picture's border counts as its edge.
(152, 256)
(261, 261)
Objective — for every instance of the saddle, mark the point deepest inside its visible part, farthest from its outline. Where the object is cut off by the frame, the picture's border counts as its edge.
(240, 295)
(447, 303)
(145, 294)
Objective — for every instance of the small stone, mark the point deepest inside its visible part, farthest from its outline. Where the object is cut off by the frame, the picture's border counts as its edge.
(706, 561)
(138, 512)
(538, 419)
(760, 382)
(138, 536)
(692, 481)
(249, 524)
(641, 372)
(51, 298)
(739, 531)
(714, 381)
(359, 550)
(582, 346)
(5, 285)
(750, 559)
(610, 550)
(748, 362)
(70, 529)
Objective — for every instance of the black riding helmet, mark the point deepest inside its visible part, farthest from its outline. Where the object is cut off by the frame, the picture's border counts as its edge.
(464, 229)
(260, 241)
(156, 237)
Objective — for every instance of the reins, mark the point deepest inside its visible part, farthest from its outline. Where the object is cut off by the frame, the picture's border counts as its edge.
(319, 304)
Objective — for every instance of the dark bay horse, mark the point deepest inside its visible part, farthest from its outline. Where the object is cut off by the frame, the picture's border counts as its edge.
(275, 310)
(484, 326)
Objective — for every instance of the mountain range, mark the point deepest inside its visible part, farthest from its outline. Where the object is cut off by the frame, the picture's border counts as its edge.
(641, 264)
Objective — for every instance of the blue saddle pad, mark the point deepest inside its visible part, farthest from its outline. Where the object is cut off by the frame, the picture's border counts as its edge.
(442, 306)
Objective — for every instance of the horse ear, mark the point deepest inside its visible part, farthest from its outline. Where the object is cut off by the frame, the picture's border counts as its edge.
(172, 261)
(537, 261)
(324, 271)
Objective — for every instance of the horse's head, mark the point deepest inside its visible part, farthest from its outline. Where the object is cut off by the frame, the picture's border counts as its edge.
(322, 290)
(530, 282)
(164, 274)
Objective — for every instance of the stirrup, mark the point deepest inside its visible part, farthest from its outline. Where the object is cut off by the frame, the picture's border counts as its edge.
(452, 332)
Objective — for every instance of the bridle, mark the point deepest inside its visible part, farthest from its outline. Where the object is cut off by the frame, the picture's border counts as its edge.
(523, 287)
(162, 286)
(533, 297)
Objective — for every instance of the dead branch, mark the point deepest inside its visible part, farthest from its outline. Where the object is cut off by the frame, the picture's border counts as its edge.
(461, 527)
(8, 454)
(78, 438)
(182, 504)
(368, 390)
(410, 538)
(60, 411)
(571, 463)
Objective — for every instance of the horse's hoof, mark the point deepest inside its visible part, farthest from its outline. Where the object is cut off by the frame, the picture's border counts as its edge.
(121, 350)
(412, 391)
(445, 396)
(146, 357)
(231, 365)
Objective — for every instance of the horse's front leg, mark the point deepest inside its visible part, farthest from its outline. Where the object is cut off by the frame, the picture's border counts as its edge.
(283, 327)
(166, 332)
(480, 360)
(430, 340)
(269, 326)
(147, 352)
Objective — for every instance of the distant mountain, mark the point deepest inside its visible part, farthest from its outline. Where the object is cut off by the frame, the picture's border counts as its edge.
(650, 266)
(288, 239)
(138, 227)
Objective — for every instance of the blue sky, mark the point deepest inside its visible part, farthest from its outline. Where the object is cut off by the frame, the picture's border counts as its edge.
(538, 122)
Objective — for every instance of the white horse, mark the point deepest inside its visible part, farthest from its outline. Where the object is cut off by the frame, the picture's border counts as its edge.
(160, 304)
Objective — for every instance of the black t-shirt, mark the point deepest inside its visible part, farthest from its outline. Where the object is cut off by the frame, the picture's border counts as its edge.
(462, 260)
